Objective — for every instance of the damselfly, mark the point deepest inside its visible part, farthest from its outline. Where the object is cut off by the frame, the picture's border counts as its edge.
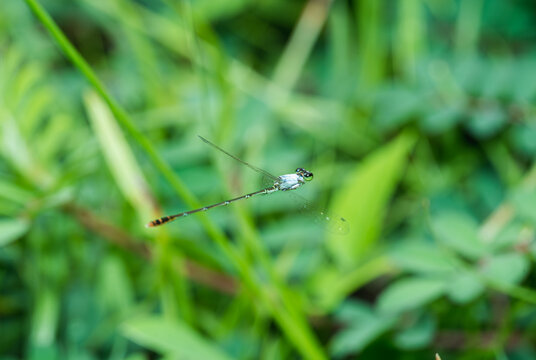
(278, 183)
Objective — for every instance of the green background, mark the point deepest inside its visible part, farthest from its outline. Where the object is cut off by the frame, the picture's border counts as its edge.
(417, 118)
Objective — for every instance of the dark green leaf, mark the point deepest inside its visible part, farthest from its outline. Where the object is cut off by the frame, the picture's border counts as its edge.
(442, 119)
(487, 121)
(364, 326)
(418, 335)
(522, 138)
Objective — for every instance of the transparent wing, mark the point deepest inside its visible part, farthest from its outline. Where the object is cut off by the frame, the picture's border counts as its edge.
(252, 167)
(267, 181)
(332, 223)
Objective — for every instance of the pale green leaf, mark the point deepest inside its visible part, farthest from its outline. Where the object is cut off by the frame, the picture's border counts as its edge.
(14, 192)
(424, 258)
(171, 338)
(409, 294)
(45, 318)
(506, 268)
(459, 232)
(364, 198)
(464, 287)
(524, 201)
(119, 157)
(15, 149)
(11, 229)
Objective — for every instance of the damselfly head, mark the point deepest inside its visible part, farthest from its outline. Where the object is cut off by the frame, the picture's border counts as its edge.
(307, 175)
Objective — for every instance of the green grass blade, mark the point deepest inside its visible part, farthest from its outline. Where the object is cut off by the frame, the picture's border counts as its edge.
(119, 158)
(298, 332)
(171, 338)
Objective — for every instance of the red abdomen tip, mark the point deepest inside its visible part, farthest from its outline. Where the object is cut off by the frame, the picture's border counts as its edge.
(157, 222)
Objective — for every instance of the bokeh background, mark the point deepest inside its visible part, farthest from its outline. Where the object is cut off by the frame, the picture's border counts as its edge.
(417, 118)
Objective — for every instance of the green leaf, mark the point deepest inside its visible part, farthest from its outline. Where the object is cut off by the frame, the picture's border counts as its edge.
(524, 201)
(14, 192)
(11, 229)
(171, 338)
(487, 121)
(114, 288)
(354, 311)
(497, 82)
(396, 106)
(509, 236)
(15, 149)
(355, 339)
(459, 232)
(409, 294)
(332, 285)
(47, 352)
(417, 335)
(443, 119)
(465, 287)
(45, 318)
(211, 11)
(506, 268)
(364, 327)
(364, 198)
(522, 137)
(424, 258)
(525, 81)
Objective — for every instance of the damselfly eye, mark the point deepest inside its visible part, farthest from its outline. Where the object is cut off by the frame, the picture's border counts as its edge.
(307, 175)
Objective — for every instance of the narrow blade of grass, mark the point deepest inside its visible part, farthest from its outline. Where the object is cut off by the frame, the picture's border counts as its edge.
(119, 158)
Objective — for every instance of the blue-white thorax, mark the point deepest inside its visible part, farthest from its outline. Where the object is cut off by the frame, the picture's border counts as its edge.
(290, 181)
(293, 181)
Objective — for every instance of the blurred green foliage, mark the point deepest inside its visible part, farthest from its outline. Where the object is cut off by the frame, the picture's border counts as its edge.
(417, 118)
